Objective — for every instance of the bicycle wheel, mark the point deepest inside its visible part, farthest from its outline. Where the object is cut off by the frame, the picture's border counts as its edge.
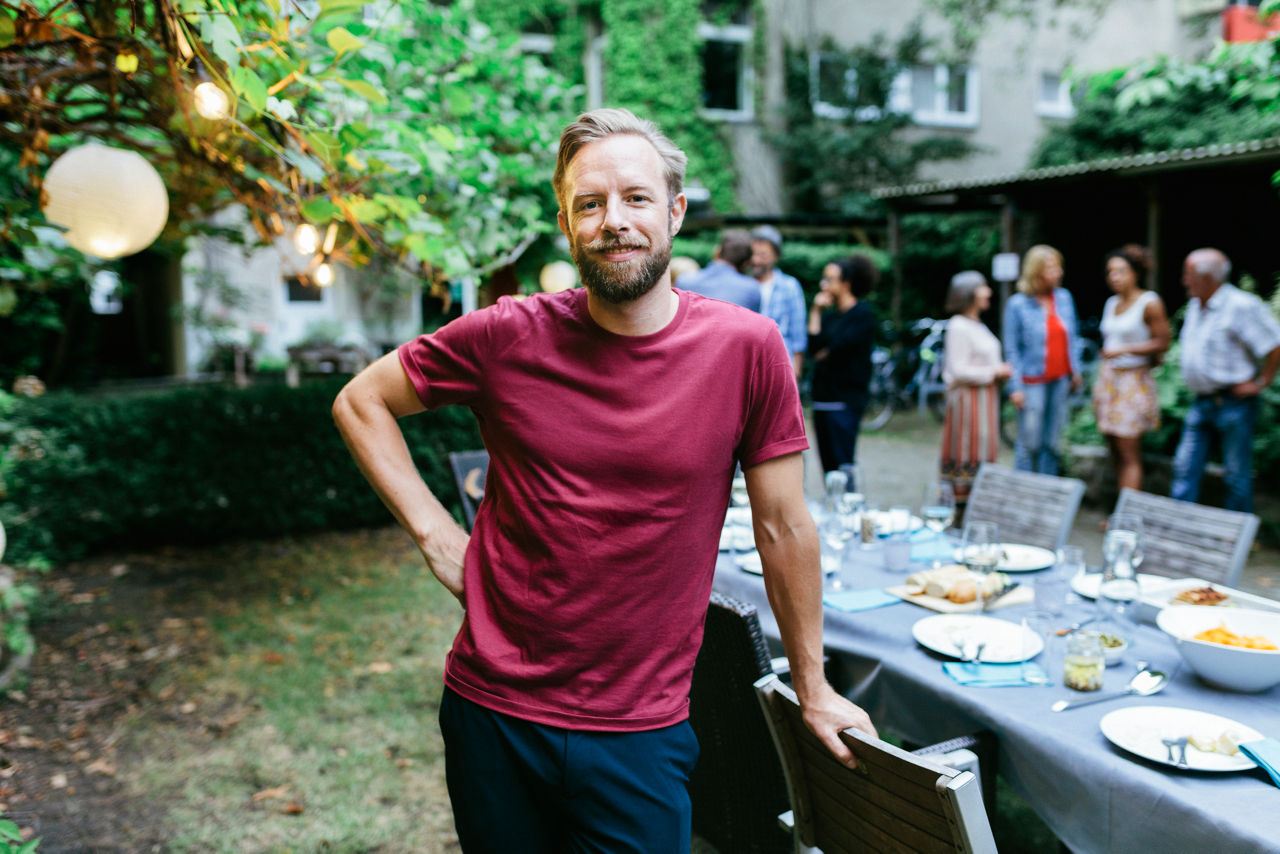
(882, 391)
(879, 410)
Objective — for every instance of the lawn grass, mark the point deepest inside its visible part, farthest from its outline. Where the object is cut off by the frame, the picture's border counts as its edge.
(318, 693)
(326, 680)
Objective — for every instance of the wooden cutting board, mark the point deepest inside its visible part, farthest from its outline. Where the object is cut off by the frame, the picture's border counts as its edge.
(1023, 595)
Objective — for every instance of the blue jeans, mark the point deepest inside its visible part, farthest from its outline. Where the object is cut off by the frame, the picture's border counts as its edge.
(1040, 423)
(837, 431)
(1232, 420)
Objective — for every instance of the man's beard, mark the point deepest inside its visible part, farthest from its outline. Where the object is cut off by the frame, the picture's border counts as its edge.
(623, 281)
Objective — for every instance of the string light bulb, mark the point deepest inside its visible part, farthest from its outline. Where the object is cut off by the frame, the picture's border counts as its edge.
(211, 101)
(306, 239)
(324, 273)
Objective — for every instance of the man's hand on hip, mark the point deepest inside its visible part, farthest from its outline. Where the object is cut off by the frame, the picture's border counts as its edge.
(445, 555)
(828, 714)
(1248, 388)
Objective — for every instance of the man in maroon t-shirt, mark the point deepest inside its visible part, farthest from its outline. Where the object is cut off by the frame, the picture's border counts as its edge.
(614, 418)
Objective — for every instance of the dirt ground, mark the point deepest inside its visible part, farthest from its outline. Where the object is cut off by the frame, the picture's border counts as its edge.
(112, 625)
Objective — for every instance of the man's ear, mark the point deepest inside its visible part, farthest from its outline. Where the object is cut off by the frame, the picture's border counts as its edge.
(560, 221)
(678, 207)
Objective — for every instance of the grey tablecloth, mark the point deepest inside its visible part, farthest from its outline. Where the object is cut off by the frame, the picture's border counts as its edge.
(1094, 796)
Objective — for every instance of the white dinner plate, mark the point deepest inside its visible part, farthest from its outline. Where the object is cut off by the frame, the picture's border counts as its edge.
(1019, 558)
(1006, 642)
(1139, 730)
(1087, 583)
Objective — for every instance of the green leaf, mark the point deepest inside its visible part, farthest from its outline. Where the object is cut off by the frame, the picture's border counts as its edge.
(6, 29)
(307, 165)
(445, 136)
(250, 85)
(334, 7)
(29, 847)
(341, 40)
(365, 90)
(224, 39)
(9, 831)
(274, 6)
(320, 210)
(325, 144)
(367, 210)
(8, 302)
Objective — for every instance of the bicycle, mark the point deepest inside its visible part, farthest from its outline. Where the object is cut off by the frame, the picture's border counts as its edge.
(907, 373)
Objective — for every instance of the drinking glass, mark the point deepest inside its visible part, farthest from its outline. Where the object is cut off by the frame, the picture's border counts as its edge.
(835, 482)
(938, 507)
(1084, 663)
(1126, 542)
(1121, 551)
(835, 537)
(853, 478)
(1042, 625)
(980, 552)
(869, 520)
(738, 492)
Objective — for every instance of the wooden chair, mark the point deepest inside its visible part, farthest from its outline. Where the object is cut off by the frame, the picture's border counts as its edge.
(1181, 539)
(470, 468)
(737, 789)
(1029, 508)
(893, 801)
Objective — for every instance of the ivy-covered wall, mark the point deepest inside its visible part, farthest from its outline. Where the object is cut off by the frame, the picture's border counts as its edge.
(652, 66)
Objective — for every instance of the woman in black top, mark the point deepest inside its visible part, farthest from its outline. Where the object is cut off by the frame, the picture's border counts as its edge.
(841, 340)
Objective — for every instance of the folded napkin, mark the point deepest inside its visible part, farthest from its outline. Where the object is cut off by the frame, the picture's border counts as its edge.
(1266, 755)
(859, 600)
(996, 675)
(927, 546)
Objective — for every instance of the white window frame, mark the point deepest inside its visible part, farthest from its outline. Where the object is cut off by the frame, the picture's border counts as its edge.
(938, 114)
(593, 70)
(542, 43)
(1060, 108)
(740, 34)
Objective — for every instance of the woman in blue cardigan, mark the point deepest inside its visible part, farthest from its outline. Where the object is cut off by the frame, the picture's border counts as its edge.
(1042, 343)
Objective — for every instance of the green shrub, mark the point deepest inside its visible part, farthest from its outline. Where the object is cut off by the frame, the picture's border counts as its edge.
(195, 464)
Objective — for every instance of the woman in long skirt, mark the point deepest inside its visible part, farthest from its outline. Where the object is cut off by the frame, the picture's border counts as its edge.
(971, 368)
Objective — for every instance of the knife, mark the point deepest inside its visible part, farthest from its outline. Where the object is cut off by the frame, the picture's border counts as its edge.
(991, 600)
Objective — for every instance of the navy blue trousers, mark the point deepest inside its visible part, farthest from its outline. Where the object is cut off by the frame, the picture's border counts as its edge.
(518, 786)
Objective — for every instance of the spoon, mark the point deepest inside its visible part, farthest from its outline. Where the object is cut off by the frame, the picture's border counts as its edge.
(1144, 684)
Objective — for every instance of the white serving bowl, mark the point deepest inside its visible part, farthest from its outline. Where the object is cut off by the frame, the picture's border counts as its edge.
(1232, 667)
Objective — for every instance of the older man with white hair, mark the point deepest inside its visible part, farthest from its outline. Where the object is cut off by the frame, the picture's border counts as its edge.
(1230, 353)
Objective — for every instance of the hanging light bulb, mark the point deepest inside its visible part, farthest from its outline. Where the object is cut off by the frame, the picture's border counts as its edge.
(211, 101)
(306, 239)
(323, 275)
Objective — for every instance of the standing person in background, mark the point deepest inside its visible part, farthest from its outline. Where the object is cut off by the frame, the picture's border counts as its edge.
(1230, 353)
(971, 367)
(781, 297)
(725, 277)
(1042, 343)
(841, 341)
(1135, 332)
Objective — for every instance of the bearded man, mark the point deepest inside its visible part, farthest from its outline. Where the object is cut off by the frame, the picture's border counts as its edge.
(614, 417)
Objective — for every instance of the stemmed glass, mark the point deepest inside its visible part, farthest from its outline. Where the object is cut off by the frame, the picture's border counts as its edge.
(980, 552)
(938, 509)
(835, 531)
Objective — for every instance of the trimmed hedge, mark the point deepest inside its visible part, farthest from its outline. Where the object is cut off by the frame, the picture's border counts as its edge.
(195, 464)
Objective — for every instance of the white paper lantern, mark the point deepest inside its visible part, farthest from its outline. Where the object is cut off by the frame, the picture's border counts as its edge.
(111, 201)
(558, 276)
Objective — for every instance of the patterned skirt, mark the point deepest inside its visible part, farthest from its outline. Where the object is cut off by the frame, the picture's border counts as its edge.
(970, 435)
(1125, 401)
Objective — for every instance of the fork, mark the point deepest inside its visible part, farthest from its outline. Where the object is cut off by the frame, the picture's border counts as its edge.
(1181, 744)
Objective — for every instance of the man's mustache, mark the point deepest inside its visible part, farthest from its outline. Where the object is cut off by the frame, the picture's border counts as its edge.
(605, 245)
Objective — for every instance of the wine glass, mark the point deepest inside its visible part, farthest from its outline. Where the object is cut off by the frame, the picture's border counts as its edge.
(835, 482)
(938, 509)
(980, 552)
(1121, 552)
(1129, 522)
(853, 478)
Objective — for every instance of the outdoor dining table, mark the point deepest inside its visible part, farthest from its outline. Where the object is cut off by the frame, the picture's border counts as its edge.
(1092, 795)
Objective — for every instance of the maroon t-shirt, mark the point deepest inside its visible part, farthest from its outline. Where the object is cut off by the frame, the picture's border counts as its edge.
(610, 463)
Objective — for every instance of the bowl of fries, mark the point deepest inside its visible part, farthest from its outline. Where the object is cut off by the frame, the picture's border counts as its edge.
(1238, 650)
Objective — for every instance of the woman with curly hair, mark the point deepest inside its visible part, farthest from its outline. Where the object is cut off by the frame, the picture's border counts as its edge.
(1135, 332)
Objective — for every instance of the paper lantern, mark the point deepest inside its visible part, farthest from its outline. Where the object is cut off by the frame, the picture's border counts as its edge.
(111, 201)
(558, 276)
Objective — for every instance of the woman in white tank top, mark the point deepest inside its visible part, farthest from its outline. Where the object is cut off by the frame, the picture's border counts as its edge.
(1135, 332)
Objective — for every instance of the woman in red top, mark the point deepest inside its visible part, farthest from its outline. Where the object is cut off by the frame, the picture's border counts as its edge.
(1042, 345)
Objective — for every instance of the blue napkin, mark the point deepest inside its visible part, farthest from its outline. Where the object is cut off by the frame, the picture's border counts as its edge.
(927, 546)
(1266, 754)
(996, 675)
(859, 600)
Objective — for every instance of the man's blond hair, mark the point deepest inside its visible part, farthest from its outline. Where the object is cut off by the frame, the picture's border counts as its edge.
(599, 124)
